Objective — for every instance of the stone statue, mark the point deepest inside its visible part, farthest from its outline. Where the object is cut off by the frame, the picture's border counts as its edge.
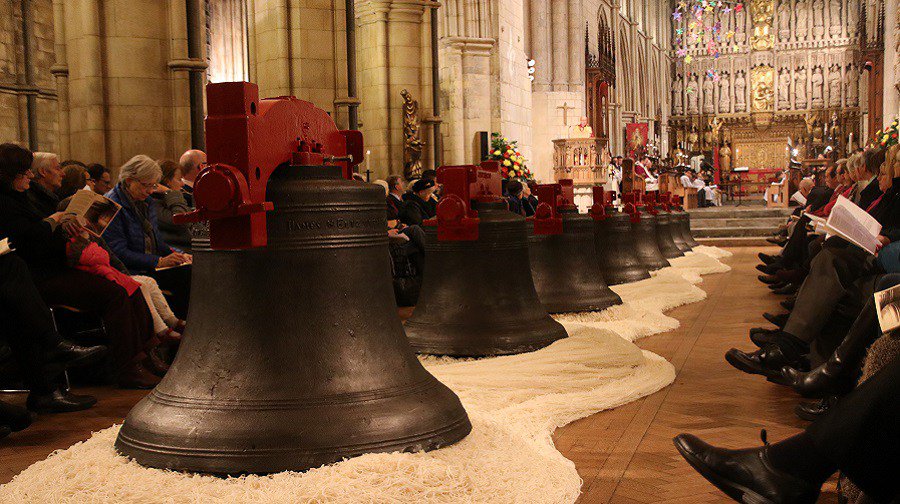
(708, 106)
(693, 140)
(818, 11)
(740, 26)
(834, 87)
(836, 22)
(725, 157)
(818, 100)
(801, 20)
(412, 144)
(693, 96)
(852, 86)
(677, 96)
(852, 17)
(740, 93)
(784, 89)
(725, 94)
(800, 89)
(708, 137)
(784, 21)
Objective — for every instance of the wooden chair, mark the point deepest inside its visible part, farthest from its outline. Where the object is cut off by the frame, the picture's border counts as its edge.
(778, 196)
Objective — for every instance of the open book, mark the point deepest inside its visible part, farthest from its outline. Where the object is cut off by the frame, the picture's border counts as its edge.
(853, 224)
(96, 209)
(818, 223)
(5, 248)
(887, 305)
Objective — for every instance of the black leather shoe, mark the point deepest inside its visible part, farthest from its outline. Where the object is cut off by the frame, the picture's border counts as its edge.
(4, 431)
(775, 240)
(745, 475)
(769, 269)
(72, 355)
(823, 381)
(59, 402)
(766, 361)
(777, 286)
(766, 258)
(15, 417)
(779, 320)
(815, 410)
(769, 279)
(764, 339)
(787, 289)
(788, 304)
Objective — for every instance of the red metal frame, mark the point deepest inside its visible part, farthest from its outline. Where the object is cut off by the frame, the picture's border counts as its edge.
(247, 139)
(455, 219)
(546, 216)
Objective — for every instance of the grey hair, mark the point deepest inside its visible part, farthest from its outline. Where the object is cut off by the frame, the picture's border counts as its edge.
(42, 160)
(384, 185)
(141, 168)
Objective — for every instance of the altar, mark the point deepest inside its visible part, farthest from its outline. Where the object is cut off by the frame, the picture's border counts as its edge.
(582, 160)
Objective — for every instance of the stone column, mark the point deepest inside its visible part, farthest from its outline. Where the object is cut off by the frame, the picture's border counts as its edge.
(60, 71)
(560, 26)
(272, 47)
(576, 43)
(87, 90)
(541, 44)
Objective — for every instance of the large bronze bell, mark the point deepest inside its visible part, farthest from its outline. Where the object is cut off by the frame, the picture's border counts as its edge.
(294, 356)
(616, 249)
(643, 229)
(564, 262)
(678, 221)
(685, 222)
(478, 296)
(664, 223)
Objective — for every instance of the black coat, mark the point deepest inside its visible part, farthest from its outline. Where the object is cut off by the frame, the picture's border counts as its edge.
(887, 212)
(43, 200)
(515, 205)
(869, 194)
(40, 244)
(416, 210)
(818, 197)
(394, 207)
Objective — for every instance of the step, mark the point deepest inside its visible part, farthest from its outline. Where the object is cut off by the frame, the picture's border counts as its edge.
(774, 222)
(720, 232)
(735, 241)
(739, 213)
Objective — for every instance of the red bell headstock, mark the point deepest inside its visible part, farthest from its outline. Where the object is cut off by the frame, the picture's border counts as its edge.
(247, 139)
(631, 203)
(603, 200)
(455, 218)
(546, 216)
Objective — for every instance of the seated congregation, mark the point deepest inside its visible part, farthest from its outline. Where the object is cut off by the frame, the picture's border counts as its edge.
(828, 346)
(128, 277)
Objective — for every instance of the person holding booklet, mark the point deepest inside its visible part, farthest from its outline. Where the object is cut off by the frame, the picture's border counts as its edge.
(134, 236)
(843, 272)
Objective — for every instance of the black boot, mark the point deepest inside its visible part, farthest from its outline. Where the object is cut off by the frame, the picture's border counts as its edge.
(745, 475)
(769, 279)
(59, 402)
(768, 259)
(788, 304)
(764, 337)
(815, 410)
(838, 375)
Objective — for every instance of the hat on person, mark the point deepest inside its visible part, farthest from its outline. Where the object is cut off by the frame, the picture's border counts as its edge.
(423, 184)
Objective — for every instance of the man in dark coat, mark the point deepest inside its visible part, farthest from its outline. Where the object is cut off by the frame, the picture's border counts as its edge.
(515, 189)
(47, 180)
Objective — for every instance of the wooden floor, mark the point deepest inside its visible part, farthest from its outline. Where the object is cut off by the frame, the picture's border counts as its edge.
(624, 455)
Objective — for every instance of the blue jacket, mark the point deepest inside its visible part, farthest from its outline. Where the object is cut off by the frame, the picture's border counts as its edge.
(125, 235)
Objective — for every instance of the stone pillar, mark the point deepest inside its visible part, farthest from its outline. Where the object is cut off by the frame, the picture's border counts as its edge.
(576, 43)
(272, 47)
(87, 90)
(466, 81)
(560, 26)
(541, 44)
(60, 71)
(891, 104)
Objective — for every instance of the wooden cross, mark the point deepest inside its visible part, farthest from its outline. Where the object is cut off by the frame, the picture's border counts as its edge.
(565, 108)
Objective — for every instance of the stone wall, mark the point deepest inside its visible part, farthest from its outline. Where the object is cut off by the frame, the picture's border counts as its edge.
(13, 82)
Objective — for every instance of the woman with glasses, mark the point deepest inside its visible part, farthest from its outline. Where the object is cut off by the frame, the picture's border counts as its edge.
(134, 236)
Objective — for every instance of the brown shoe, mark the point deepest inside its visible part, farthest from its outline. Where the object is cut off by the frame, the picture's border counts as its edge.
(155, 364)
(138, 377)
